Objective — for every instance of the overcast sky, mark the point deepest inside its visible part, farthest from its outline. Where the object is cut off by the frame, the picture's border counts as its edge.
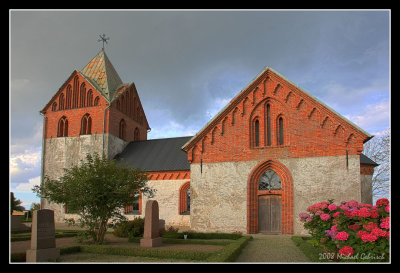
(187, 65)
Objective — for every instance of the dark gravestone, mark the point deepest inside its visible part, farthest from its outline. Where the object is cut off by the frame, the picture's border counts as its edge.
(43, 238)
(151, 236)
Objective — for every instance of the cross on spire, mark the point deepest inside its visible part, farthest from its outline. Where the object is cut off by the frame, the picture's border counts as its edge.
(104, 39)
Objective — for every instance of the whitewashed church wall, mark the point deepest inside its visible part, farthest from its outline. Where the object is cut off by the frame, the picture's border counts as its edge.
(219, 193)
(167, 196)
(366, 188)
(65, 152)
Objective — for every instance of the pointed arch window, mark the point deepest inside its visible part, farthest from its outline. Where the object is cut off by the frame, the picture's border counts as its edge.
(184, 198)
(123, 104)
(255, 139)
(136, 134)
(136, 206)
(82, 95)
(62, 128)
(86, 125)
(122, 129)
(269, 181)
(268, 118)
(68, 97)
(75, 98)
(61, 102)
(96, 101)
(280, 131)
(127, 106)
(89, 101)
(54, 106)
(133, 108)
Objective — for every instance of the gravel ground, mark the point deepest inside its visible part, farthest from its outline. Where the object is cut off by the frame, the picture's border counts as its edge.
(271, 248)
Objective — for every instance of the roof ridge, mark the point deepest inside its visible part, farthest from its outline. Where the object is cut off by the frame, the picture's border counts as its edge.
(154, 139)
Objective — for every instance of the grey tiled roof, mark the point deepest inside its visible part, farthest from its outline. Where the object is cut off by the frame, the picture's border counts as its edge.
(156, 154)
(366, 160)
(165, 154)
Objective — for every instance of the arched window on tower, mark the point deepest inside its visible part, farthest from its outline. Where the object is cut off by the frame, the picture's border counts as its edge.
(68, 97)
(133, 108)
(122, 129)
(86, 125)
(122, 104)
(62, 128)
(89, 101)
(61, 102)
(96, 101)
(75, 97)
(82, 95)
(136, 134)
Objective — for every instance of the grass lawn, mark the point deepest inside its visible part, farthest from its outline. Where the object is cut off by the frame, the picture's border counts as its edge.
(315, 254)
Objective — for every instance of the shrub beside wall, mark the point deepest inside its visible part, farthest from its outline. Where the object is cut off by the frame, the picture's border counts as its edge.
(350, 230)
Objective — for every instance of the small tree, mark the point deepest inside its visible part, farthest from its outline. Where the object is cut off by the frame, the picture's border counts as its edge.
(35, 206)
(15, 204)
(97, 190)
(378, 149)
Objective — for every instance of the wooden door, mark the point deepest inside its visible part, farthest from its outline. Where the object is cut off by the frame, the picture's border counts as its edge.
(269, 214)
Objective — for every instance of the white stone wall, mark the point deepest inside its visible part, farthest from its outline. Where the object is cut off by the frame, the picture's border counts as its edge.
(65, 152)
(167, 196)
(219, 193)
(366, 189)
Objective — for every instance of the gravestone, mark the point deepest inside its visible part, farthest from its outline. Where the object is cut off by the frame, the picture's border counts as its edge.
(43, 237)
(151, 236)
(16, 224)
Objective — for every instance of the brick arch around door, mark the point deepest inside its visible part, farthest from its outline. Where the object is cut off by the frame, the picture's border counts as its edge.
(285, 194)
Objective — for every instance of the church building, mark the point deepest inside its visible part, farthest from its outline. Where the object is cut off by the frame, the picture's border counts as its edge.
(272, 151)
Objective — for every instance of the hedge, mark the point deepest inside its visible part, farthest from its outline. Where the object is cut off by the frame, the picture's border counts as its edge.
(228, 253)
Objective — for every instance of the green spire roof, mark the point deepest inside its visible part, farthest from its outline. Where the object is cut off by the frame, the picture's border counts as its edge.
(102, 74)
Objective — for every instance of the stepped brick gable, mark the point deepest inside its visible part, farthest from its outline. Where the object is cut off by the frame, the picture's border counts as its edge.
(249, 126)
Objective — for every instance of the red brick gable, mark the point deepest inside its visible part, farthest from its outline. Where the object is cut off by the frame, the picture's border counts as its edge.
(63, 89)
(127, 100)
(103, 118)
(74, 106)
(310, 128)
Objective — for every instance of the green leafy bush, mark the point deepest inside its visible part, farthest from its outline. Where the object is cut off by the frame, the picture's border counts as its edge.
(134, 228)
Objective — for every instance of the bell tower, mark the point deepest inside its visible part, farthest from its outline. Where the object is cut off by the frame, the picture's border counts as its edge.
(92, 112)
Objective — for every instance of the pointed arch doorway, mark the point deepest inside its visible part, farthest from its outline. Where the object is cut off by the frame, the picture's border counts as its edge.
(270, 199)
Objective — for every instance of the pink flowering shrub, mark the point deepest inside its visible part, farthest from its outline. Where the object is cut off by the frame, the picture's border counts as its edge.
(353, 230)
